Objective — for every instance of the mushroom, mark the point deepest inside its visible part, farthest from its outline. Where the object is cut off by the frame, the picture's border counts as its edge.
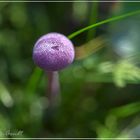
(53, 52)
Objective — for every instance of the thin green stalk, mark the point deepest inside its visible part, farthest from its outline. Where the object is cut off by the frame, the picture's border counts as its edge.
(117, 18)
(34, 80)
(92, 19)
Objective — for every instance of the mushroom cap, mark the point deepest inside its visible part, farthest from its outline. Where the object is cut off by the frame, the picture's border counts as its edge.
(53, 52)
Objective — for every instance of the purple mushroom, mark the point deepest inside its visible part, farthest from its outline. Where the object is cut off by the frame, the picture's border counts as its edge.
(53, 52)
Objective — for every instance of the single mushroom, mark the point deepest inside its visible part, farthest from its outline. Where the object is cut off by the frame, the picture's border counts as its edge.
(53, 52)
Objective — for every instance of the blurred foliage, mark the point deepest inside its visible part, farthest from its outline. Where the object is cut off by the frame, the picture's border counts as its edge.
(100, 90)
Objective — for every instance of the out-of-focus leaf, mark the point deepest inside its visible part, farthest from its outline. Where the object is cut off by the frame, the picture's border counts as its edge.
(106, 67)
(126, 110)
(92, 19)
(34, 80)
(122, 72)
(80, 15)
(18, 14)
(125, 71)
(89, 48)
(104, 132)
(5, 96)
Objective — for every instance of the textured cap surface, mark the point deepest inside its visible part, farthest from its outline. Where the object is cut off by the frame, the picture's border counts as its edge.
(53, 52)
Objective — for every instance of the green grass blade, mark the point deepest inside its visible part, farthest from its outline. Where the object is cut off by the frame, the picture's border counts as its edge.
(126, 110)
(103, 22)
(92, 19)
(34, 80)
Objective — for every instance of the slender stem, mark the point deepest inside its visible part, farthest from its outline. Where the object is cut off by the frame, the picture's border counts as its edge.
(103, 22)
(53, 88)
(34, 80)
(92, 19)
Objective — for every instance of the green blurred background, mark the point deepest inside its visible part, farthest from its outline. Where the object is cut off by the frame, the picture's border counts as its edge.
(100, 91)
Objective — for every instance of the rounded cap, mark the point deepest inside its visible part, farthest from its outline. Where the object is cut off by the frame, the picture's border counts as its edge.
(53, 52)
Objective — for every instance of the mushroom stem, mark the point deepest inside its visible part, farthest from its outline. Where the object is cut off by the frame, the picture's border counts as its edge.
(53, 88)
